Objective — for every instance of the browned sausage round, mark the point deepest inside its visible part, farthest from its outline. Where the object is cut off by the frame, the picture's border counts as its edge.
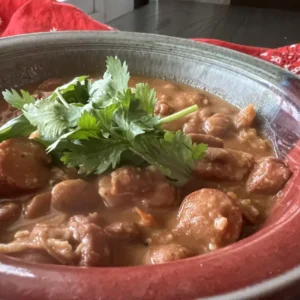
(123, 230)
(38, 206)
(75, 195)
(217, 125)
(268, 176)
(210, 217)
(23, 166)
(9, 212)
(166, 253)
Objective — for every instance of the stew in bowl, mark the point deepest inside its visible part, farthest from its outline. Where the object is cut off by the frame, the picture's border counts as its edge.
(123, 171)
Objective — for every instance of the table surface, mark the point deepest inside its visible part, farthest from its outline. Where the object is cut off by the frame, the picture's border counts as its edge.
(243, 25)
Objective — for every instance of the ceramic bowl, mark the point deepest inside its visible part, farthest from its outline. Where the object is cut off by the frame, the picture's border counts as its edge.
(247, 265)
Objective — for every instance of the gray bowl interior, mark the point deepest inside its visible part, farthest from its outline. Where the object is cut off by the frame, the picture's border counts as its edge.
(237, 78)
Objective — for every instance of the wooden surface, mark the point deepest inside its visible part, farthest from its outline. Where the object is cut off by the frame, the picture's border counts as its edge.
(243, 25)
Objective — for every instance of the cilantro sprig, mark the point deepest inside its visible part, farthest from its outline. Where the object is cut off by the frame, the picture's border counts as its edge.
(99, 125)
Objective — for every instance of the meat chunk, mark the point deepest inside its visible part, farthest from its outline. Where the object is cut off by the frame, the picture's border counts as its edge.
(23, 166)
(129, 185)
(163, 195)
(245, 117)
(167, 253)
(268, 176)
(79, 242)
(224, 164)
(217, 125)
(162, 109)
(210, 217)
(75, 195)
(38, 206)
(123, 230)
(129, 180)
(207, 139)
(9, 212)
(121, 185)
(105, 191)
(93, 245)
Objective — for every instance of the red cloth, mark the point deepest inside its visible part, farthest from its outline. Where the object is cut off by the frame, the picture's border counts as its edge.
(26, 16)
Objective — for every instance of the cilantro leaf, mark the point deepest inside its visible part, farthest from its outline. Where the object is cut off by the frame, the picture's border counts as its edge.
(173, 154)
(95, 156)
(17, 100)
(51, 146)
(119, 73)
(129, 128)
(87, 121)
(105, 92)
(88, 127)
(105, 117)
(76, 91)
(16, 127)
(132, 126)
(101, 92)
(146, 97)
(51, 117)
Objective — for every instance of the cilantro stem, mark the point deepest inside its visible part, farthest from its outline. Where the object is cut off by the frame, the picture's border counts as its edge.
(179, 114)
(62, 99)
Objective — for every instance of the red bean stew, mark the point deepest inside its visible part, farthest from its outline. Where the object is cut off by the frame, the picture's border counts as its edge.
(133, 215)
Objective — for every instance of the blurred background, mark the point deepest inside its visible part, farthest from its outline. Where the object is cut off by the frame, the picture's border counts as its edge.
(264, 23)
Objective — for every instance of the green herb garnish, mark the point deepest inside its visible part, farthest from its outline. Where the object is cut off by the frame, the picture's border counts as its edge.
(96, 126)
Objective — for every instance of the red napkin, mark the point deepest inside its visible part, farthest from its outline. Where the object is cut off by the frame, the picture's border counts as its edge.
(27, 16)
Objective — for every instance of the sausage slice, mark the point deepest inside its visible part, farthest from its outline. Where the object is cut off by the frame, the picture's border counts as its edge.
(23, 166)
(210, 217)
(268, 176)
